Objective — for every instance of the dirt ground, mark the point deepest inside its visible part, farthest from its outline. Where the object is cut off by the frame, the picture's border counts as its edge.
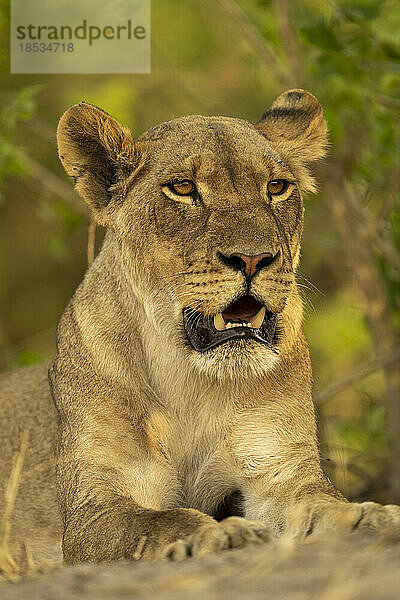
(356, 569)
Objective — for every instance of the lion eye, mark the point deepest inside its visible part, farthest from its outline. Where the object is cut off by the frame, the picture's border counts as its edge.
(277, 186)
(183, 187)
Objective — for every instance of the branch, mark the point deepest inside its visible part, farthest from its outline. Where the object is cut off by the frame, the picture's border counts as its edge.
(290, 42)
(389, 252)
(362, 371)
(388, 101)
(256, 40)
(43, 130)
(56, 186)
(8, 567)
(51, 182)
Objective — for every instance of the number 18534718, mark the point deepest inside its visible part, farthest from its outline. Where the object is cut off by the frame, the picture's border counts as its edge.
(46, 47)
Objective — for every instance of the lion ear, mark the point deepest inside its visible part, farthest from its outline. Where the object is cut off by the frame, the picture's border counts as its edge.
(96, 151)
(296, 127)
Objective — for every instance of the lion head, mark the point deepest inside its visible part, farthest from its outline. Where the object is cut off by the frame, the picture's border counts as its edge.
(207, 216)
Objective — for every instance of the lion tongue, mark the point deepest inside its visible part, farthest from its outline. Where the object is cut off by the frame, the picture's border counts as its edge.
(242, 309)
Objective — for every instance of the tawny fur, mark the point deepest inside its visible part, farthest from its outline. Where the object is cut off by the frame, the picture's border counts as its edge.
(155, 439)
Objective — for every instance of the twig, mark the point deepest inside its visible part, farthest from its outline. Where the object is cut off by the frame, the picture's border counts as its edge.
(43, 130)
(203, 101)
(290, 42)
(256, 40)
(389, 252)
(8, 566)
(365, 369)
(52, 182)
(388, 101)
(29, 557)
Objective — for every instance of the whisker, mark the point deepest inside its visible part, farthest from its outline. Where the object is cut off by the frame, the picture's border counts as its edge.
(193, 317)
(315, 288)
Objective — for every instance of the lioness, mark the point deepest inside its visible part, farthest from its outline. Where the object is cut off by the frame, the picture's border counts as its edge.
(182, 379)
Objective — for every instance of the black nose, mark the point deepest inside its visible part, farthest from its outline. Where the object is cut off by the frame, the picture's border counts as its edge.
(249, 265)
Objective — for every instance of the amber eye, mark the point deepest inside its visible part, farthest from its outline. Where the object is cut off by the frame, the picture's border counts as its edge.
(277, 186)
(183, 187)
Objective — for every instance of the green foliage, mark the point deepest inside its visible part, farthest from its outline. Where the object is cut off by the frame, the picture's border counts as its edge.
(20, 107)
(364, 446)
(62, 221)
(368, 434)
(16, 109)
(340, 336)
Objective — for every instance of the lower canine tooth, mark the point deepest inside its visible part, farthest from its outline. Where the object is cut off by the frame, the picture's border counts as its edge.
(258, 319)
(219, 322)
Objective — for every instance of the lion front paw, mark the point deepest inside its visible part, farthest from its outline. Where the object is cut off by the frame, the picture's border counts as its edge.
(321, 517)
(379, 518)
(232, 532)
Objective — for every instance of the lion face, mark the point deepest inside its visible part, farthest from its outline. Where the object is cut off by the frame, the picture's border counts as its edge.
(208, 215)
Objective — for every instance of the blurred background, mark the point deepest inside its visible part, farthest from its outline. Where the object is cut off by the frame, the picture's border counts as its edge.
(233, 58)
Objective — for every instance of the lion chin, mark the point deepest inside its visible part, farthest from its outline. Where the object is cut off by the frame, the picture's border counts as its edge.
(236, 360)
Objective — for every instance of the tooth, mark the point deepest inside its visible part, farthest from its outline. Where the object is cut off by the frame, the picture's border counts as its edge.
(219, 322)
(229, 324)
(255, 322)
(258, 319)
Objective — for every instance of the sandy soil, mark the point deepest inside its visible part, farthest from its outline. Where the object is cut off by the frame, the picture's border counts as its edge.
(355, 569)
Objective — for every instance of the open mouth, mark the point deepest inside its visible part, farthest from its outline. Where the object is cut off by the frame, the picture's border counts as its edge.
(245, 318)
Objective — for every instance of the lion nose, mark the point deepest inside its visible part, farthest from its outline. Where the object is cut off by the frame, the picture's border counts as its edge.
(249, 265)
